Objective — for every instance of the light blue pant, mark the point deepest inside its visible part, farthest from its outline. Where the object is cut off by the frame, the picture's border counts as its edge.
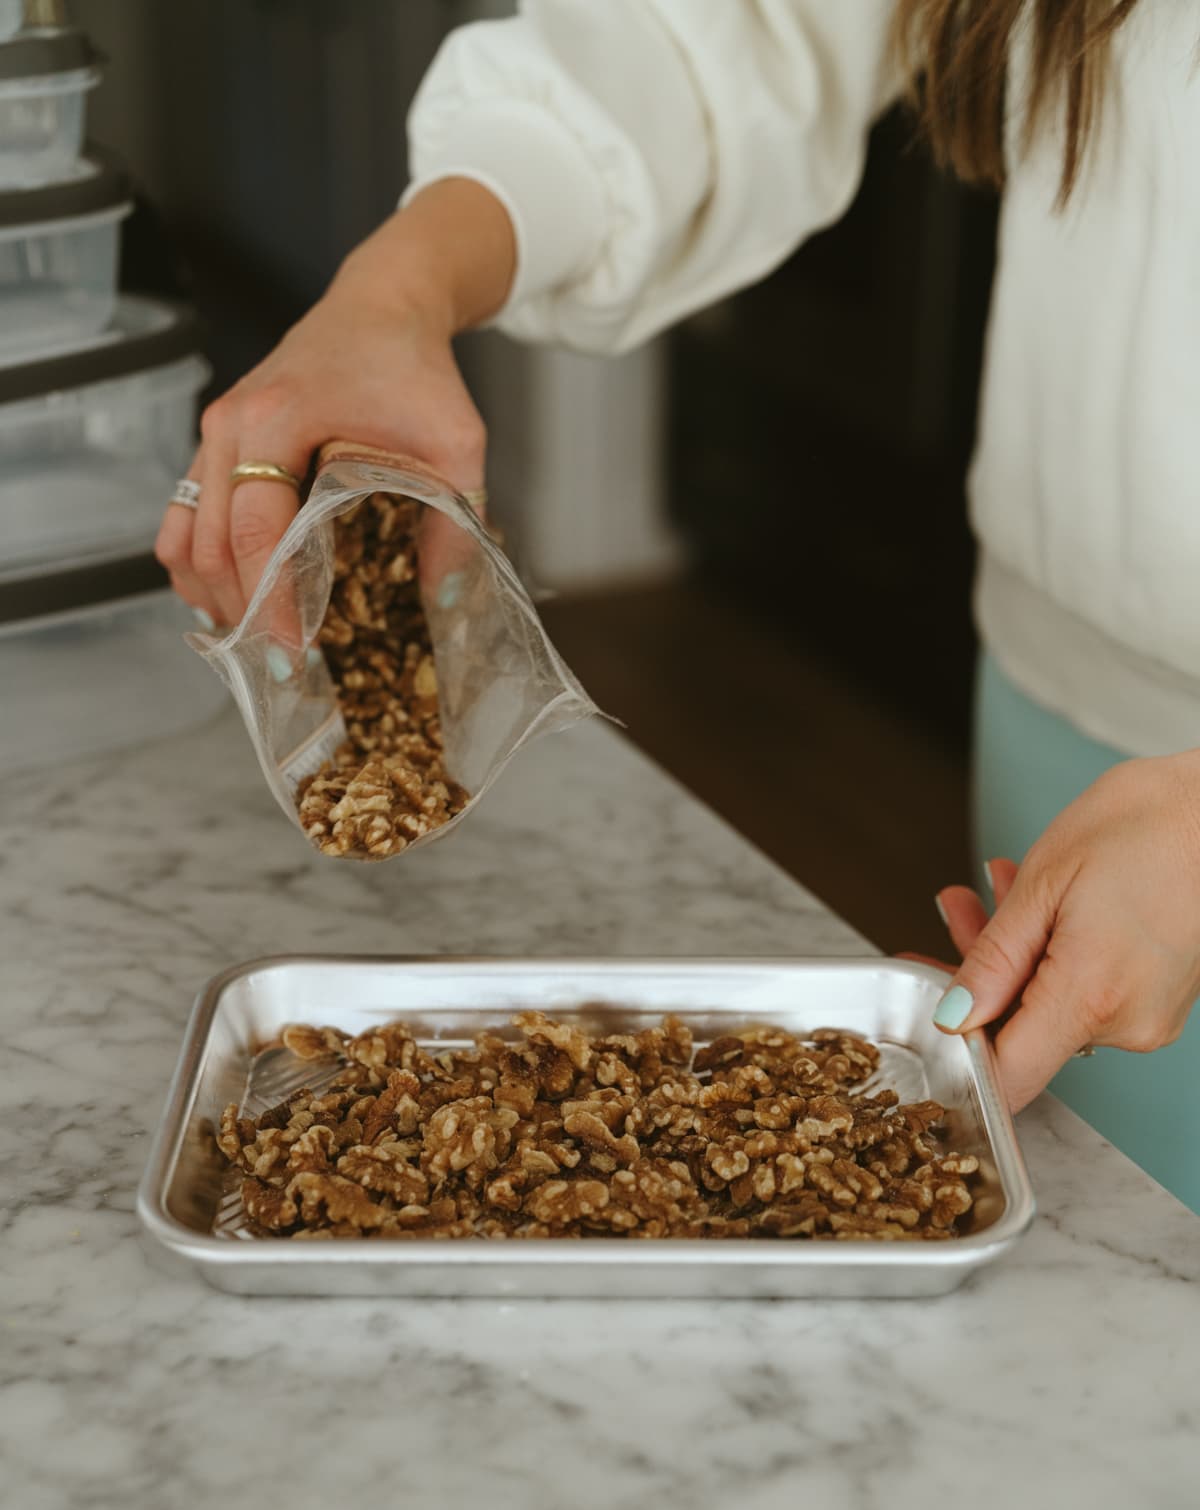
(1029, 764)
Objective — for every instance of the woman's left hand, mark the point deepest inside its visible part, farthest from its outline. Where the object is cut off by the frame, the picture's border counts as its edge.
(1096, 937)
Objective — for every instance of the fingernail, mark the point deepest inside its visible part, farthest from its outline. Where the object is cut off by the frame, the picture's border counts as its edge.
(938, 903)
(278, 663)
(205, 620)
(451, 589)
(989, 877)
(313, 657)
(954, 1008)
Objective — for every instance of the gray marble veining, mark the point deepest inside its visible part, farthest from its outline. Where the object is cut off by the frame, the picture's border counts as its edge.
(1068, 1375)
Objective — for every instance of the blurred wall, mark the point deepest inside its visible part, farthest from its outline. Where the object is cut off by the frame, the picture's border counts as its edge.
(269, 134)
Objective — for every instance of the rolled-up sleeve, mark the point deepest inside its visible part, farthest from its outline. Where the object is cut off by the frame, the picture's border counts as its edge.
(653, 155)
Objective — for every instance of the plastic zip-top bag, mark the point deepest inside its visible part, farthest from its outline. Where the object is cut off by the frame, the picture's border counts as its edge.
(390, 663)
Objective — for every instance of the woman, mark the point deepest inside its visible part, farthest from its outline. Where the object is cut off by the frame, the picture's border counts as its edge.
(589, 173)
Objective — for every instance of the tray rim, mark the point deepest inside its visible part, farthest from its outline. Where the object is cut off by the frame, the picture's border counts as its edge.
(206, 1248)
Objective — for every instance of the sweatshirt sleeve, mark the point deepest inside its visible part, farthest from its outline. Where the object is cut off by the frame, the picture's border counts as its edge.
(653, 155)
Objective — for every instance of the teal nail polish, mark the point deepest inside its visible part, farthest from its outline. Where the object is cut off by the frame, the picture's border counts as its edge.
(313, 657)
(205, 620)
(954, 1008)
(989, 877)
(278, 663)
(940, 905)
(451, 589)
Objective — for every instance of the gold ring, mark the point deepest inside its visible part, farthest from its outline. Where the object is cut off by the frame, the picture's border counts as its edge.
(263, 471)
(477, 498)
(1086, 1051)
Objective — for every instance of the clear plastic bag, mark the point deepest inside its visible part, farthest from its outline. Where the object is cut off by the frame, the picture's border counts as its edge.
(501, 683)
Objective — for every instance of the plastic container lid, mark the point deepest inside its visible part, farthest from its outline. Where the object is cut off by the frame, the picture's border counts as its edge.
(38, 54)
(144, 333)
(61, 592)
(102, 187)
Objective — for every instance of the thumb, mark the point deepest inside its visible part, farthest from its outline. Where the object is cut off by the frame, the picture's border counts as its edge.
(1035, 1043)
(999, 963)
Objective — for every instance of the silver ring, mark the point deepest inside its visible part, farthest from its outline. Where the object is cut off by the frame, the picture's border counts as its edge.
(186, 494)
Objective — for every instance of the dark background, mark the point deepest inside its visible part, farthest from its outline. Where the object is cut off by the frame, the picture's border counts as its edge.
(807, 670)
(850, 377)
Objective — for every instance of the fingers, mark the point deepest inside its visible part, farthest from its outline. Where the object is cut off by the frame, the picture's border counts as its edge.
(460, 453)
(173, 548)
(256, 527)
(1001, 875)
(925, 959)
(964, 915)
(1051, 1026)
(999, 957)
(237, 527)
(1094, 987)
(259, 514)
(212, 555)
(445, 551)
(1002, 958)
(446, 558)
(963, 912)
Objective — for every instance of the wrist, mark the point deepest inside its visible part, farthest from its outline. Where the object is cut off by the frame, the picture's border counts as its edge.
(384, 274)
(448, 256)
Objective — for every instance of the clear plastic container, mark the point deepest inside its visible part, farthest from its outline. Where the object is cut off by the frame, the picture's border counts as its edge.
(59, 249)
(12, 16)
(92, 440)
(44, 81)
(98, 677)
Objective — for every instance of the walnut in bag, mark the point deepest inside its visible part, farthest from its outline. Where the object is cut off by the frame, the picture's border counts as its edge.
(386, 785)
(416, 661)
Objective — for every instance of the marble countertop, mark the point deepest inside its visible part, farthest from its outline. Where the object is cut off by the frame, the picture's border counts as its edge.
(1069, 1373)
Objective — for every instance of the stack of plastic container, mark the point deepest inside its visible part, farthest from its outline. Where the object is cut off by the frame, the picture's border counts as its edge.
(98, 401)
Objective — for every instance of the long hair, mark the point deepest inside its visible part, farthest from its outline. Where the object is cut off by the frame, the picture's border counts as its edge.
(957, 54)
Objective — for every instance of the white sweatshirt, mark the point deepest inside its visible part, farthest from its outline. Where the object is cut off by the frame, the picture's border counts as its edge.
(655, 155)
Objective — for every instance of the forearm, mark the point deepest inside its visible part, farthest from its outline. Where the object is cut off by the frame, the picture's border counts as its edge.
(450, 251)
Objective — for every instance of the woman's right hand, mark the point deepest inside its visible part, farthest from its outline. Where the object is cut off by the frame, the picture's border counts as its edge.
(371, 362)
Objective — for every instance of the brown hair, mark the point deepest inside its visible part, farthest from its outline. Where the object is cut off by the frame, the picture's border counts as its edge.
(957, 52)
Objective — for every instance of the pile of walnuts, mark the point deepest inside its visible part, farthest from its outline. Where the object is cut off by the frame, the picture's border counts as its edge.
(387, 784)
(558, 1134)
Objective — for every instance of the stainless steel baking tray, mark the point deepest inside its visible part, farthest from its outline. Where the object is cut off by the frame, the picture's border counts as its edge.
(188, 1203)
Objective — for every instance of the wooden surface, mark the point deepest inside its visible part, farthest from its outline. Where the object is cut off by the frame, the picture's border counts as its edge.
(869, 809)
